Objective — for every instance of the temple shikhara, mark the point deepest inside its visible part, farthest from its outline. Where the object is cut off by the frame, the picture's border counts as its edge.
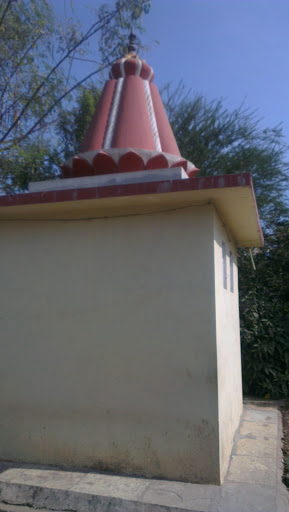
(119, 305)
(130, 130)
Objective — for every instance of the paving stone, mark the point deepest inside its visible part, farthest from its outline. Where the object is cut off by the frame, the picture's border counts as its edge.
(39, 477)
(155, 492)
(255, 429)
(263, 446)
(246, 498)
(56, 500)
(282, 498)
(178, 494)
(111, 485)
(266, 414)
(252, 470)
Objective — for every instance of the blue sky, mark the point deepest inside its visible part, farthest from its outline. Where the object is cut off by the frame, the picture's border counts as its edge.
(234, 49)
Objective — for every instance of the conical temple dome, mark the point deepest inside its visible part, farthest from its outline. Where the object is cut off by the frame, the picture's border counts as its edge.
(130, 130)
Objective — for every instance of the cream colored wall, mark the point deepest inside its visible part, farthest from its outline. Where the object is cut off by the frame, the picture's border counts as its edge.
(228, 346)
(108, 353)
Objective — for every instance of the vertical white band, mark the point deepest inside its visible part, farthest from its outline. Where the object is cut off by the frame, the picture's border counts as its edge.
(138, 67)
(121, 65)
(152, 115)
(113, 114)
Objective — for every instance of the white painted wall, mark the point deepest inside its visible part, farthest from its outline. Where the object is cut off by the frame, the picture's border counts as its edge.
(108, 341)
(228, 345)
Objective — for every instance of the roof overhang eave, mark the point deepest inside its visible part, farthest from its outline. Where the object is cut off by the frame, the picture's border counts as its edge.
(232, 196)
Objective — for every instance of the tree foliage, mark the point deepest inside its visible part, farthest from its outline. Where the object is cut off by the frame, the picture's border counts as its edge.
(32, 161)
(264, 316)
(26, 33)
(36, 71)
(73, 124)
(220, 141)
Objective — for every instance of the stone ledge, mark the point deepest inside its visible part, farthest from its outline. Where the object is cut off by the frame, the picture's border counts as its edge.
(107, 180)
(29, 487)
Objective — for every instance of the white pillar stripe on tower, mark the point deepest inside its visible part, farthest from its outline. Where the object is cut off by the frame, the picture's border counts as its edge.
(113, 114)
(152, 115)
(138, 67)
(121, 65)
(151, 74)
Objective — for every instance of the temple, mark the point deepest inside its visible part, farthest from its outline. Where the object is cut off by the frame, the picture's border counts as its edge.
(119, 304)
(130, 130)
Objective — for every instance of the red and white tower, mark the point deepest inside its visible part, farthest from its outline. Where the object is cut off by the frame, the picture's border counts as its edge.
(130, 130)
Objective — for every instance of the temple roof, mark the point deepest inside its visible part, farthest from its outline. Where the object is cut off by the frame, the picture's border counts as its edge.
(130, 164)
(232, 196)
(130, 130)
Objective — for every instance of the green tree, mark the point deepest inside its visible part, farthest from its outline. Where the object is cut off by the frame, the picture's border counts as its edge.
(220, 141)
(40, 160)
(264, 316)
(36, 79)
(73, 124)
(32, 161)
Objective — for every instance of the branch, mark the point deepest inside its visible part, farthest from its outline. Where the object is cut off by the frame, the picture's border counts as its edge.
(16, 139)
(5, 11)
(99, 25)
(13, 105)
(19, 139)
(86, 60)
(18, 65)
(32, 129)
(10, 106)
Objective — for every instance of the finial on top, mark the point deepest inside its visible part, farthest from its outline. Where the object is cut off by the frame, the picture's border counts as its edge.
(131, 45)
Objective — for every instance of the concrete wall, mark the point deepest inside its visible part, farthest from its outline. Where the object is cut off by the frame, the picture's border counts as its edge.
(228, 342)
(108, 339)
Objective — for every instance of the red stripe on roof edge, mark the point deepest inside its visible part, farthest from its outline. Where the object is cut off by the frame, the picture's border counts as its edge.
(155, 187)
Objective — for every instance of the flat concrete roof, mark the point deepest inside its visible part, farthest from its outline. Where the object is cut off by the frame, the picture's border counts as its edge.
(232, 195)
